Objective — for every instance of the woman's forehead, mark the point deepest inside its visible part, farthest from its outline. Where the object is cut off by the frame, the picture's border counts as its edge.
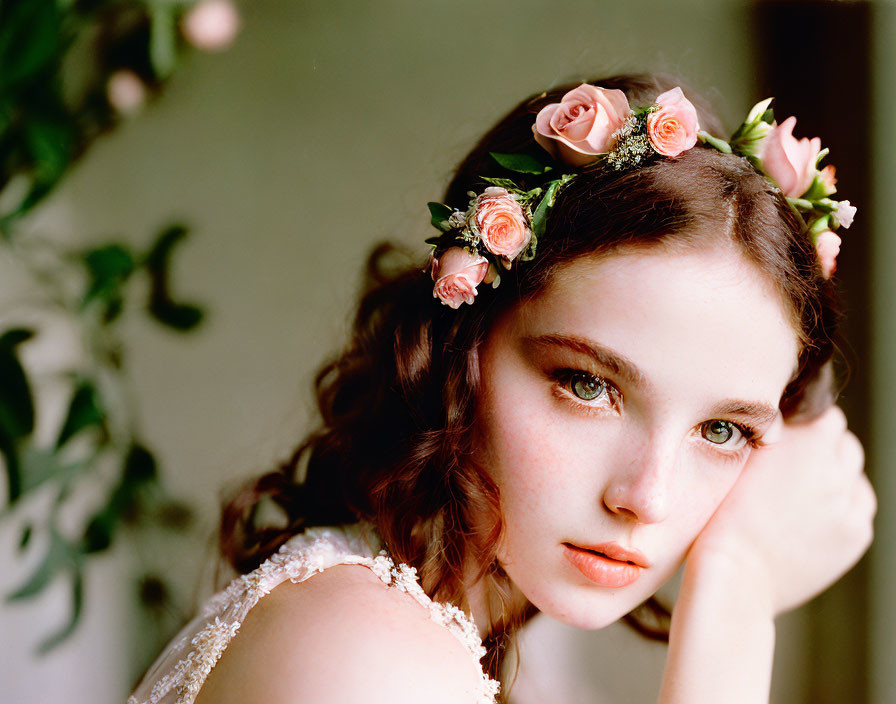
(672, 311)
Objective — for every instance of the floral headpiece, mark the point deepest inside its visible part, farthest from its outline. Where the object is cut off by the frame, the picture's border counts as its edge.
(502, 224)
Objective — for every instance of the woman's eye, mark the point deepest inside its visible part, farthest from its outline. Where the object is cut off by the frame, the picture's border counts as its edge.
(586, 392)
(719, 432)
(587, 387)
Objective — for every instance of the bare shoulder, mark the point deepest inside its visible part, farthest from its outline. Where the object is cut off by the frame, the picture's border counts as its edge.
(341, 636)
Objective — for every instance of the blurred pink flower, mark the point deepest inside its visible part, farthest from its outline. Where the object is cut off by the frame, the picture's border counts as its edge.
(211, 25)
(125, 91)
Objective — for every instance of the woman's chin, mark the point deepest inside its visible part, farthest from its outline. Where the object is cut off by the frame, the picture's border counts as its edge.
(588, 611)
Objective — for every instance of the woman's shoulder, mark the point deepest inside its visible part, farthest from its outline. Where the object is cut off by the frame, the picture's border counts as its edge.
(340, 636)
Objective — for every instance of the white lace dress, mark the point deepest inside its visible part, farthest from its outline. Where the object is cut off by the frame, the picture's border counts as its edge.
(180, 671)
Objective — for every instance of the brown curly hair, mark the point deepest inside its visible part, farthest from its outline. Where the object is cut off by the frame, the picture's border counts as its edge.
(398, 404)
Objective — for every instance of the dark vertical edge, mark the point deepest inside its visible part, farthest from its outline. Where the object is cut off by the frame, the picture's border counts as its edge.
(815, 58)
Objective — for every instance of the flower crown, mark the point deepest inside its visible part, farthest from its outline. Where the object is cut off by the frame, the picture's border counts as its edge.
(502, 224)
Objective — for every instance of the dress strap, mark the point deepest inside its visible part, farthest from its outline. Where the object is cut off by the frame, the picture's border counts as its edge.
(180, 671)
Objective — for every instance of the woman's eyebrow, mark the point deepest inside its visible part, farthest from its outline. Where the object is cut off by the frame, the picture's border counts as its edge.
(758, 412)
(604, 356)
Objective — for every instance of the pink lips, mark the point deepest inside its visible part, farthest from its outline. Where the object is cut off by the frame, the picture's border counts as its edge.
(608, 564)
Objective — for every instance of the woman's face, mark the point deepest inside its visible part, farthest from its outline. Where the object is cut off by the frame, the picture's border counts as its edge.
(616, 413)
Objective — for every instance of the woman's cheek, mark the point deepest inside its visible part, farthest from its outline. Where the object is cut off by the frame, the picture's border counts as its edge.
(709, 479)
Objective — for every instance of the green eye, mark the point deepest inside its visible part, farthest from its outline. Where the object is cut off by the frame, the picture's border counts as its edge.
(587, 387)
(719, 431)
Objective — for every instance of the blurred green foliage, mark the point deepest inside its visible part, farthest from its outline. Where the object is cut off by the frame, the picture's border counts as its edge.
(58, 61)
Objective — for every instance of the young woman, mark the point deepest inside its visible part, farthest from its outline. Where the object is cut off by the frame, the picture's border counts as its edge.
(649, 385)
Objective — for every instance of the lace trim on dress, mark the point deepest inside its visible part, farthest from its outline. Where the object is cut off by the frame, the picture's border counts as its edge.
(181, 670)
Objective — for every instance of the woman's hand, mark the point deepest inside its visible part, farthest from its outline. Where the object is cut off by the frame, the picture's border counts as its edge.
(799, 516)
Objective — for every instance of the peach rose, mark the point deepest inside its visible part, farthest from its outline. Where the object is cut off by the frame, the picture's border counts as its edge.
(828, 247)
(502, 224)
(673, 128)
(581, 126)
(457, 273)
(788, 160)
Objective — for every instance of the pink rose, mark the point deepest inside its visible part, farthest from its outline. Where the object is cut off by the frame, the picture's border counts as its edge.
(673, 128)
(788, 160)
(457, 273)
(211, 25)
(828, 247)
(582, 124)
(502, 224)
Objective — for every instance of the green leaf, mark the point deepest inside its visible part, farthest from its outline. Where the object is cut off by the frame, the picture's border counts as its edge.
(539, 217)
(139, 468)
(152, 592)
(109, 268)
(16, 406)
(529, 254)
(644, 111)
(39, 465)
(60, 636)
(140, 465)
(58, 556)
(521, 163)
(714, 142)
(15, 336)
(50, 145)
(98, 533)
(162, 39)
(13, 471)
(31, 39)
(533, 194)
(821, 155)
(83, 412)
(439, 215)
(25, 537)
(758, 111)
(179, 316)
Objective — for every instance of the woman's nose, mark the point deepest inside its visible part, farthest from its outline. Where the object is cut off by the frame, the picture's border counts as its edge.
(641, 489)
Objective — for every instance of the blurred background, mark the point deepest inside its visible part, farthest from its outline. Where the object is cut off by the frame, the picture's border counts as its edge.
(185, 209)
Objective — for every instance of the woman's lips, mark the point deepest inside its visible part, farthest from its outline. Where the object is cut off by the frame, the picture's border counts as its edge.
(608, 564)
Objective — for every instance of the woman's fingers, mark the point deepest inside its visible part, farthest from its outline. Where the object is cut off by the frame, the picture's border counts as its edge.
(852, 453)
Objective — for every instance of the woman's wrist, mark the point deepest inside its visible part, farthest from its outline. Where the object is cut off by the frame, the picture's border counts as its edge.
(722, 638)
(727, 570)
